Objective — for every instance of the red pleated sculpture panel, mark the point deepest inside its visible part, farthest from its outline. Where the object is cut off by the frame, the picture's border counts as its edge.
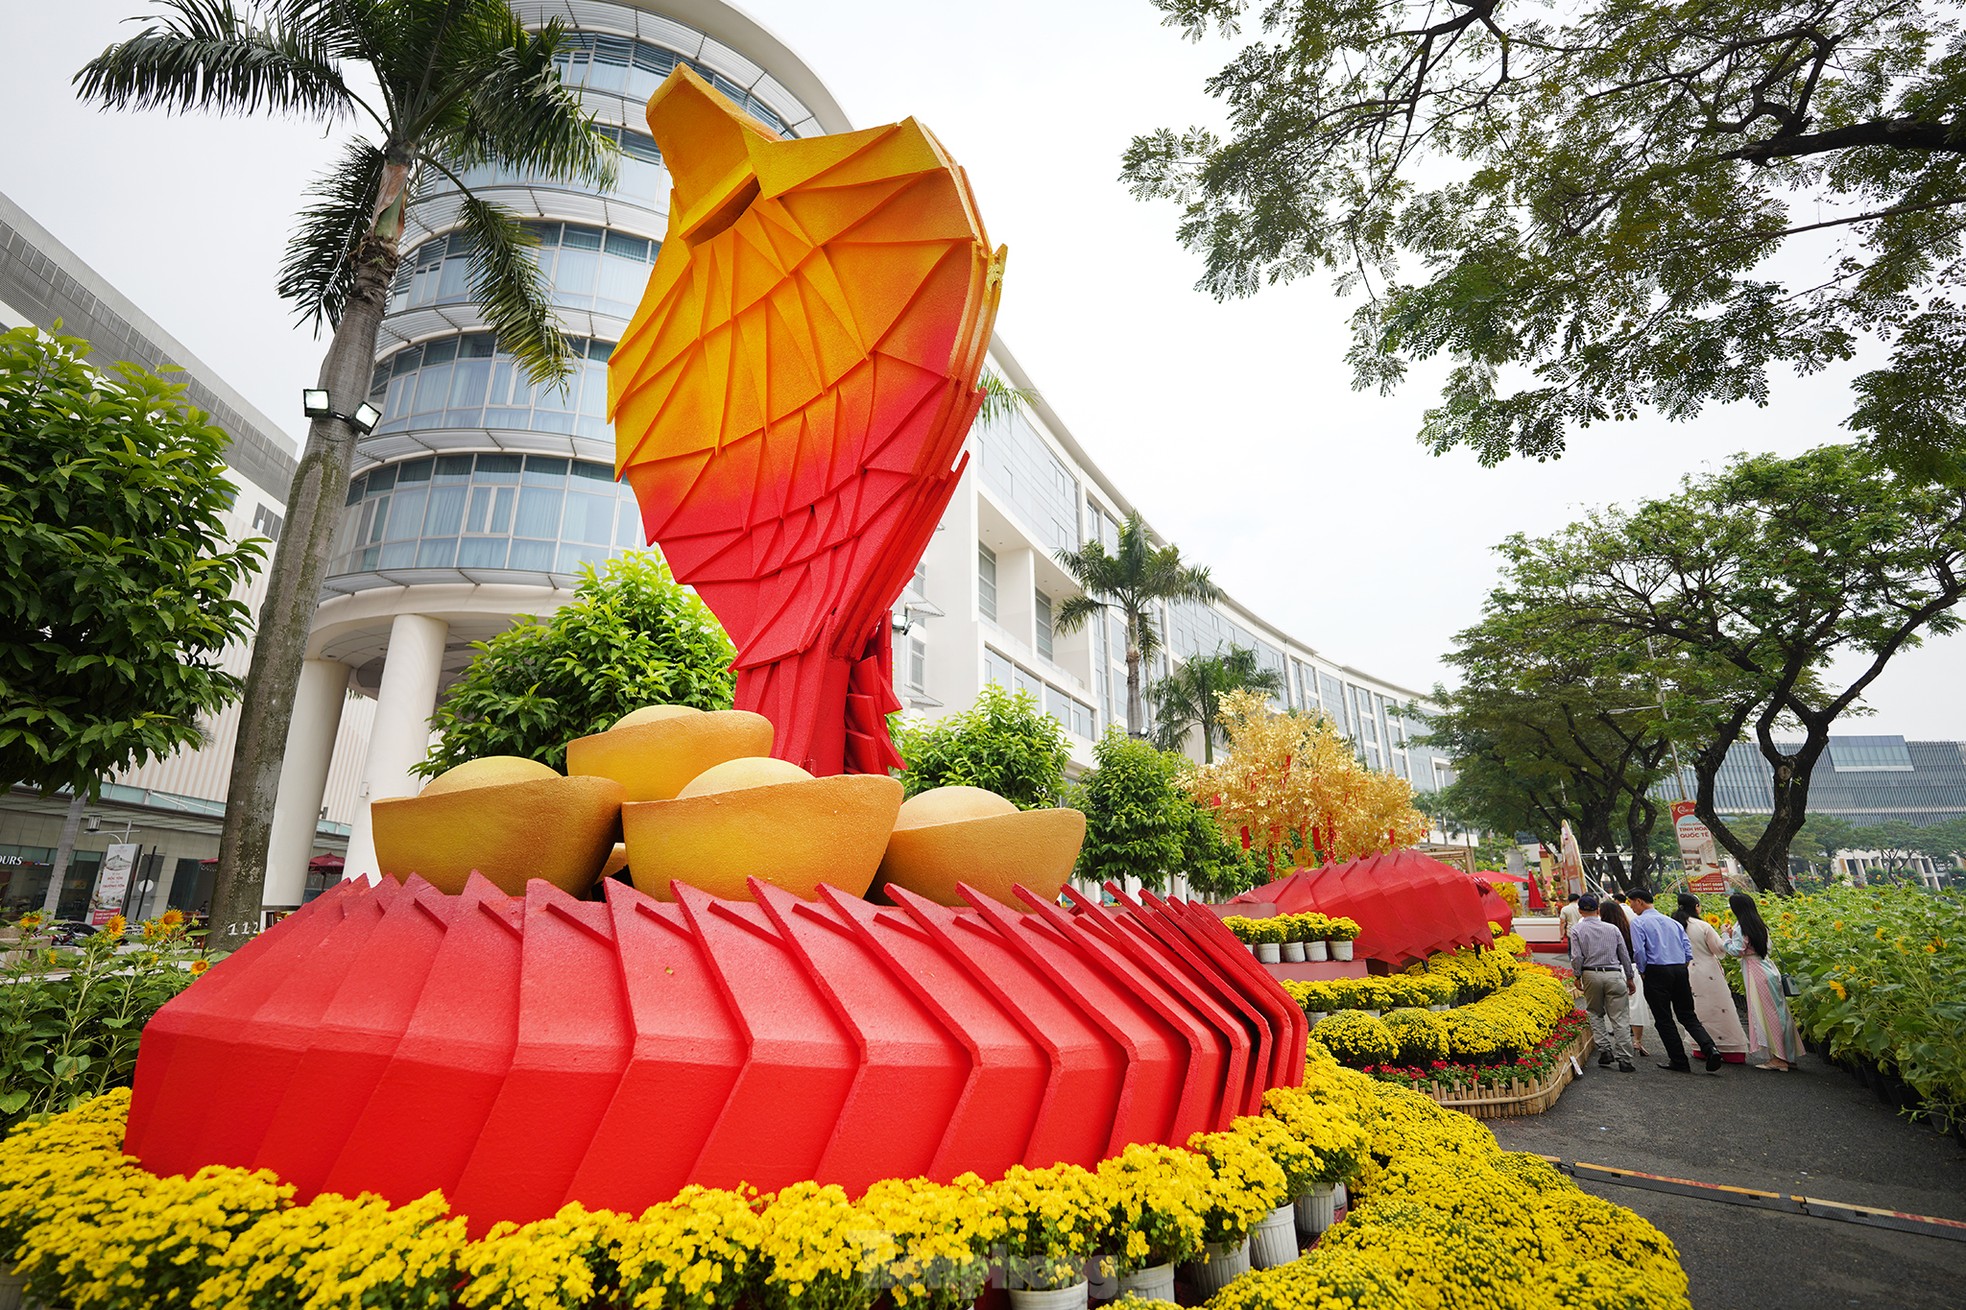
(520, 1053)
(1407, 905)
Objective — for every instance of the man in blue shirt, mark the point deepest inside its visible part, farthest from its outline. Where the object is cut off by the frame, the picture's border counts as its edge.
(1661, 951)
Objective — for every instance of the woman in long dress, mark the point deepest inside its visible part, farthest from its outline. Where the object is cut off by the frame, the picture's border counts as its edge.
(1770, 1026)
(1613, 912)
(1713, 1000)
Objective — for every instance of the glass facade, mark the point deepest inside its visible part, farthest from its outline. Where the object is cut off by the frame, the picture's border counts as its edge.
(537, 513)
(586, 267)
(1041, 607)
(467, 382)
(986, 582)
(636, 68)
(639, 177)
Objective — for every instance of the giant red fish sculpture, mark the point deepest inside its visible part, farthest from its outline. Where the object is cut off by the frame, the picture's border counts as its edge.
(791, 398)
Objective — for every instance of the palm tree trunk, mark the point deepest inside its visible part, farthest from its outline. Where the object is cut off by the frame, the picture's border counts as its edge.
(300, 565)
(1133, 715)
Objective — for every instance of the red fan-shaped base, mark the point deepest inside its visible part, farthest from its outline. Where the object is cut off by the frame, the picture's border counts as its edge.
(517, 1054)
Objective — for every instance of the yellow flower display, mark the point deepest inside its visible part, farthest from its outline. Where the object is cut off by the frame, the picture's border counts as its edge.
(1441, 1217)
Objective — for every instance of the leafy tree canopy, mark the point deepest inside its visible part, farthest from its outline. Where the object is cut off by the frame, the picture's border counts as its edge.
(1579, 207)
(119, 594)
(1191, 696)
(631, 636)
(1003, 743)
(1770, 568)
(1551, 723)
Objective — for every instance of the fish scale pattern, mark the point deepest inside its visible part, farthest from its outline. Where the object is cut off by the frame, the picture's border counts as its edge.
(520, 1053)
(791, 398)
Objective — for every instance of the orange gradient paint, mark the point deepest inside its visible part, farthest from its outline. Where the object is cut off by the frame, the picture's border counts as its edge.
(791, 398)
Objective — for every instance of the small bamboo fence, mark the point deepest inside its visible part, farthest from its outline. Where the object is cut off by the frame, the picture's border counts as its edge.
(1517, 1097)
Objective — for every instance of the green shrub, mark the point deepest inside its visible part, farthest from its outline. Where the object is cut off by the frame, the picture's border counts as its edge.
(70, 1017)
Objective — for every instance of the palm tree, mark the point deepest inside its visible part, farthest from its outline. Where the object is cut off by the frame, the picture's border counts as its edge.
(1133, 579)
(456, 84)
(1191, 696)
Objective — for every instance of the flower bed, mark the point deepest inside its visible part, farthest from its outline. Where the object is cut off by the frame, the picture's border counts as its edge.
(93, 1231)
(1528, 1085)
(1883, 974)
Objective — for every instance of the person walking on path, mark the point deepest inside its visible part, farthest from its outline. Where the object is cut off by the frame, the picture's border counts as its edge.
(1713, 1000)
(1603, 965)
(1662, 952)
(1613, 913)
(1566, 918)
(1771, 1027)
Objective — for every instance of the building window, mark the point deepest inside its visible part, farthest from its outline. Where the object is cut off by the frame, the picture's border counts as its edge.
(917, 664)
(266, 523)
(539, 513)
(918, 585)
(986, 582)
(1041, 607)
(467, 382)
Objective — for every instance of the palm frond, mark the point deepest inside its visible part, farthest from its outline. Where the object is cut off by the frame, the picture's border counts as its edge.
(1075, 612)
(509, 107)
(1000, 399)
(318, 272)
(207, 54)
(512, 292)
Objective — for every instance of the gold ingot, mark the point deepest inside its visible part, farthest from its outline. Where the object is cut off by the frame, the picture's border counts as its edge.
(965, 834)
(559, 829)
(795, 835)
(655, 757)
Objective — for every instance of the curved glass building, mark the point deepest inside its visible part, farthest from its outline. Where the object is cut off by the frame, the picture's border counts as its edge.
(479, 496)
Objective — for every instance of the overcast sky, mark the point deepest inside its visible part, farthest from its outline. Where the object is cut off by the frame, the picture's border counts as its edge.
(1232, 426)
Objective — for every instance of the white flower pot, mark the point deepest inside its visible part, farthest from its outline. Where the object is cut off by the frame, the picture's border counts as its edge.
(1055, 1298)
(1342, 1199)
(1273, 1242)
(1220, 1265)
(1317, 1210)
(1374, 1013)
(1438, 1008)
(1269, 952)
(1154, 1283)
(1101, 1283)
(1293, 952)
(1316, 1017)
(1341, 950)
(1251, 947)
(13, 1288)
(1317, 951)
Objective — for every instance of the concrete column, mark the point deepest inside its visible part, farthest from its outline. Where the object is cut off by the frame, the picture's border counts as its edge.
(401, 736)
(304, 778)
(1016, 595)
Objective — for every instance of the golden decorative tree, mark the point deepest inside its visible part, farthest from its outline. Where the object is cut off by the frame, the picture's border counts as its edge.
(1291, 789)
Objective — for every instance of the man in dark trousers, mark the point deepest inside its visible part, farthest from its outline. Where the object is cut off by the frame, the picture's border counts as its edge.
(1661, 950)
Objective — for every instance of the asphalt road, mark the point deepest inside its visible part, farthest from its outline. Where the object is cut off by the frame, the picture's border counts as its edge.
(1817, 1132)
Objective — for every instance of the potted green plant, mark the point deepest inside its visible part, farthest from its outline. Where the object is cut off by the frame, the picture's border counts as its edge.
(1247, 1187)
(1156, 1196)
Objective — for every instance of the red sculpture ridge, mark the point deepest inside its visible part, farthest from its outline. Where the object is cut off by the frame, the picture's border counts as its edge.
(517, 1054)
(1407, 905)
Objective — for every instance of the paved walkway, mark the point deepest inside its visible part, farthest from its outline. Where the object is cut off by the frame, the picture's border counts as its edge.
(1817, 1132)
